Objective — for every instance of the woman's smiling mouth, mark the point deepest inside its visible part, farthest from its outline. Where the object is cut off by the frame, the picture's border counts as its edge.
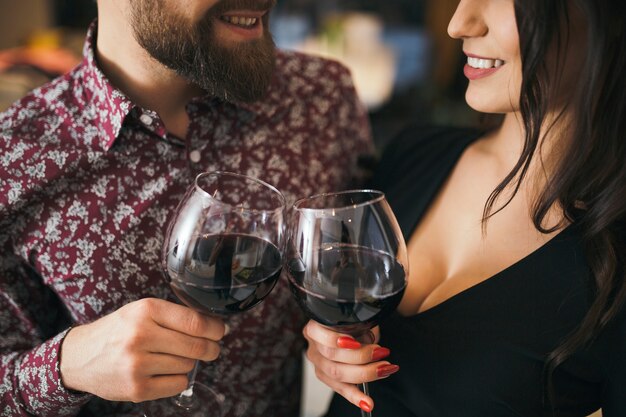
(479, 67)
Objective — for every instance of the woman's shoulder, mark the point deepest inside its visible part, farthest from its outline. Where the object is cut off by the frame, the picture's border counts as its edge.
(426, 139)
(423, 147)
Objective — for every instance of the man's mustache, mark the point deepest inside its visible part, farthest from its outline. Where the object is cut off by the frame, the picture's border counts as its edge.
(224, 6)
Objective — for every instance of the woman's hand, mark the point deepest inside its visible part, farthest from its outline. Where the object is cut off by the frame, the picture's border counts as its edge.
(141, 352)
(341, 362)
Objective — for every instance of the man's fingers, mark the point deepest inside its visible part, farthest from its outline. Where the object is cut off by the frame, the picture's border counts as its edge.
(182, 319)
(164, 364)
(163, 386)
(174, 343)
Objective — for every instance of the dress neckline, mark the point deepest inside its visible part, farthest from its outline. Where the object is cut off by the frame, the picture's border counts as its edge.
(498, 276)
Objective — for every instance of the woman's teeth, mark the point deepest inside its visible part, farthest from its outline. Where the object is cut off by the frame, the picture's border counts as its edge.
(484, 63)
(240, 21)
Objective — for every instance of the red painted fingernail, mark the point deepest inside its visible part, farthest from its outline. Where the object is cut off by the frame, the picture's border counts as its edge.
(365, 406)
(386, 370)
(380, 353)
(345, 342)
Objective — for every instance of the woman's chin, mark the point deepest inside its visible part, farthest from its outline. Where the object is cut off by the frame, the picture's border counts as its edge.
(490, 103)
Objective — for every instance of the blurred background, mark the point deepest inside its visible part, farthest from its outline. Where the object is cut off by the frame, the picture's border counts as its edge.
(405, 67)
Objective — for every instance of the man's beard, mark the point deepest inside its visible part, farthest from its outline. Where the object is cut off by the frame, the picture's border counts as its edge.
(239, 72)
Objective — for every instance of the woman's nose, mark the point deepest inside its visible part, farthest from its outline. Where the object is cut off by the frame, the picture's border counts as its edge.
(468, 20)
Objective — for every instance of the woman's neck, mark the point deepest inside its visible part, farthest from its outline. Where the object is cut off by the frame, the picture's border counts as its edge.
(506, 144)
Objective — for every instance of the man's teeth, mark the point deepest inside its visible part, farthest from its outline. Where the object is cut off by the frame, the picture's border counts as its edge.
(484, 63)
(240, 21)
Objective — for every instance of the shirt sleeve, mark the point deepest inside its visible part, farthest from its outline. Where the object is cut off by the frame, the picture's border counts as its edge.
(30, 379)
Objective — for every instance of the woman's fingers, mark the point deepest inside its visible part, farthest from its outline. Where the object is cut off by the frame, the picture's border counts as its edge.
(341, 361)
(342, 377)
(330, 338)
(350, 373)
(363, 355)
(372, 336)
(348, 391)
(341, 348)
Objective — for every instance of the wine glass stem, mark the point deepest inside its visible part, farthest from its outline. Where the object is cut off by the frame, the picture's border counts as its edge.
(366, 391)
(185, 399)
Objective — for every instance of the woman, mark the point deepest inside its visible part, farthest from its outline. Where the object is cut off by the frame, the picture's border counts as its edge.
(516, 235)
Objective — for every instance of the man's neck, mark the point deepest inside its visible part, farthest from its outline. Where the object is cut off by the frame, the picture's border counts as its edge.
(145, 81)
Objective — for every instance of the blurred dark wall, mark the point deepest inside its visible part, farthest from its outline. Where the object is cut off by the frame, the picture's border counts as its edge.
(401, 12)
(74, 13)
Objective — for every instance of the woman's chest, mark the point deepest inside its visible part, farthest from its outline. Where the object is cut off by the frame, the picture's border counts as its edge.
(454, 245)
(483, 351)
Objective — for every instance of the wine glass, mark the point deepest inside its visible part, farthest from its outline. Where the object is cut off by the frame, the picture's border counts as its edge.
(222, 255)
(346, 260)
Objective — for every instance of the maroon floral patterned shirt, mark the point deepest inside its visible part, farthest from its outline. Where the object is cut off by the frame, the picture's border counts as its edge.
(88, 181)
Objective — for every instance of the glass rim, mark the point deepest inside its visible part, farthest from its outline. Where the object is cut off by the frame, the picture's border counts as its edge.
(283, 201)
(378, 196)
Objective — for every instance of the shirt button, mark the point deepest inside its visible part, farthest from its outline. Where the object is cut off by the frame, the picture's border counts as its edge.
(195, 156)
(145, 119)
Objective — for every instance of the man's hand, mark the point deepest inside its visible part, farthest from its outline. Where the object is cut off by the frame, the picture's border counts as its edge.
(141, 352)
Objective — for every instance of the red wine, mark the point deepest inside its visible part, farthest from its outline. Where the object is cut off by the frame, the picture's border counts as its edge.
(224, 273)
(348, 288)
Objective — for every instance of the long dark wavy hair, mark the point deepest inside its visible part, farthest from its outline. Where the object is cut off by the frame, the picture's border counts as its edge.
(589, 181)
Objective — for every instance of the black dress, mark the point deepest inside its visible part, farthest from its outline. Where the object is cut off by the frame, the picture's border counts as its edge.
(481, 353)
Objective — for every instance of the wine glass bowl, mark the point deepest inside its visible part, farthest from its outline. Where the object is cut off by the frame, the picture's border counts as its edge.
(346, 260)
(223, 250)
(344, 293)
(222, 254)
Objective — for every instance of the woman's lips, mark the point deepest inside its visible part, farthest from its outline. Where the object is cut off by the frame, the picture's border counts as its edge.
(479, 67)
(477, 73)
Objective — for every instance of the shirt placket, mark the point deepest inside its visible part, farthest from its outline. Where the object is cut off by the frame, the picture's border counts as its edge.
(198, 140)
(150, 121)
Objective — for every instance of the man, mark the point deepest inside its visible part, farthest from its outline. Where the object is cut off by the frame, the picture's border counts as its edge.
(91, 168)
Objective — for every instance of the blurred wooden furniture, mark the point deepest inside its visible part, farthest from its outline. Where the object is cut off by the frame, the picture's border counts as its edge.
(18, 19)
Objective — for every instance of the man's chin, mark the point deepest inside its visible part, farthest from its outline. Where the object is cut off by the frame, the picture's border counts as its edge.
(245, 89)
(234, 44)
(228, 35)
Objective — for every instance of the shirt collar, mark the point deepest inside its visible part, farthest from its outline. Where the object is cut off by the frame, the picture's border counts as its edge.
(107, 105)
(110, 107)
